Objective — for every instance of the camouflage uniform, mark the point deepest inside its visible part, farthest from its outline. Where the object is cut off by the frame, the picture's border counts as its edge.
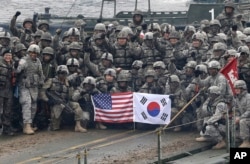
(125, 54)
(4, 42)
(6, 94)
(227, 20)
(83, 95)
(30, 78)
(60, 87)
(214, 110)
(243, 111)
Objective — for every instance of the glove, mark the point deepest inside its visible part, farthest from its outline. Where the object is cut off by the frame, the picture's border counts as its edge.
(144, 26)
(16, 64)
(133, 38)
(204, 128)
(172, 96)
(197, 73)
(58, 31)
(102, 36)
(234, 27)
(193, 54)
(17, 13)
(27, 31)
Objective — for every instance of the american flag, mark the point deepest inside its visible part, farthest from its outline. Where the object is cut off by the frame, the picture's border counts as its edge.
(113, 108)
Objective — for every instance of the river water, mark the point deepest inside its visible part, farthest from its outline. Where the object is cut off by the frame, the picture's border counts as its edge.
(88, 8)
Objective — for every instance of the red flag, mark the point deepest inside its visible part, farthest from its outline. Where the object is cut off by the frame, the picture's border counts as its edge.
(230, 71)
(113, 108)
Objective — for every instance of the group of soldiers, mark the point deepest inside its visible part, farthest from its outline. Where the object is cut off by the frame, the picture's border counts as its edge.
(53, 76)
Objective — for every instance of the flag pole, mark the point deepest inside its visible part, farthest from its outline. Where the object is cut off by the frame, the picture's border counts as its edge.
(183, 108)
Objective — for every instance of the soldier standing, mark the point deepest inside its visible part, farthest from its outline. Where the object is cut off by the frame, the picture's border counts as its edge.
(30, 78)
(6, 94)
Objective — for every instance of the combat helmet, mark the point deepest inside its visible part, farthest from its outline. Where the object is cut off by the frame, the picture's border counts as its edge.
(246, 31)
(122, 35)
(159, 64)
(244, 49)
(34, 48)
(80, 23)
(73, 31)
(137, 63)
(148, 36)
(43, 22)
(167, 28)
(72, 62)
(100, 27)
(128, 30)
(219, 46)
(46, 36)
(174, 79)
(74, 46)
(4, 35)
(107, 56)
(155, 26)
(191, 64)
(214, 64)
(198, 36)
(190, 28)
(122, 77)
(62, 68)
(110, 71)
(27, 20)
(201, 67)
(214, 90)
(174, 35)
(229, 4)
(89, 80)
(48, 50)
(215, 22)
(240, 84)
(38, 33)
(19, 47)
(149, 72)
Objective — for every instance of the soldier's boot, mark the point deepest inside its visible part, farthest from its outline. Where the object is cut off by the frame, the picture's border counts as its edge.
(27, 129)
(99, 125)
(55, 124)
(245, 143)
(79, 128)
(202, 139)
(219, 145)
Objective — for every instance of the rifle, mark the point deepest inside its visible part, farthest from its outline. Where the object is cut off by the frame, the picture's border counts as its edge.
(57, 100)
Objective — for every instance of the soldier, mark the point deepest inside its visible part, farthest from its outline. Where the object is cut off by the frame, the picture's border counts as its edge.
(243, 111)
(123, 83)
(59, 88)
(136, 75)
(166, 29)
(150, 53)
(48, 63)
(80, 24)
(109, 85)
(214, 26)
(124, 52)
(215, 78)
(243, 58)
(177, 96)
(137, 21)
(83, 95)
(30, 78)
(28, 27)
(46, 40)
(192, 89)
(20, 51)
(161, 74)
(37, 37)
(189, 31)
(6, 94)
(43, 25)
(229, 56)
(229, 17)
(219, 49)
(4, 41)
(214, 126)
(198, 49)
(75, 76)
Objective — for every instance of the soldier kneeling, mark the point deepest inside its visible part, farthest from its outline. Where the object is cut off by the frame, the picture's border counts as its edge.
(56, 92)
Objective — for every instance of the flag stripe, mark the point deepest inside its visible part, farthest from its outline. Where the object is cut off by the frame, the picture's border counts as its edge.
(121, 107)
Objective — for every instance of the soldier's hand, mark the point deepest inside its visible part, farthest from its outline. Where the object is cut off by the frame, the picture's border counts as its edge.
(144, 26)
(133, 38)
(27, 31)
(234, 27)
(58, 31)
(17, 13)
(197, 73)
(16, 64)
